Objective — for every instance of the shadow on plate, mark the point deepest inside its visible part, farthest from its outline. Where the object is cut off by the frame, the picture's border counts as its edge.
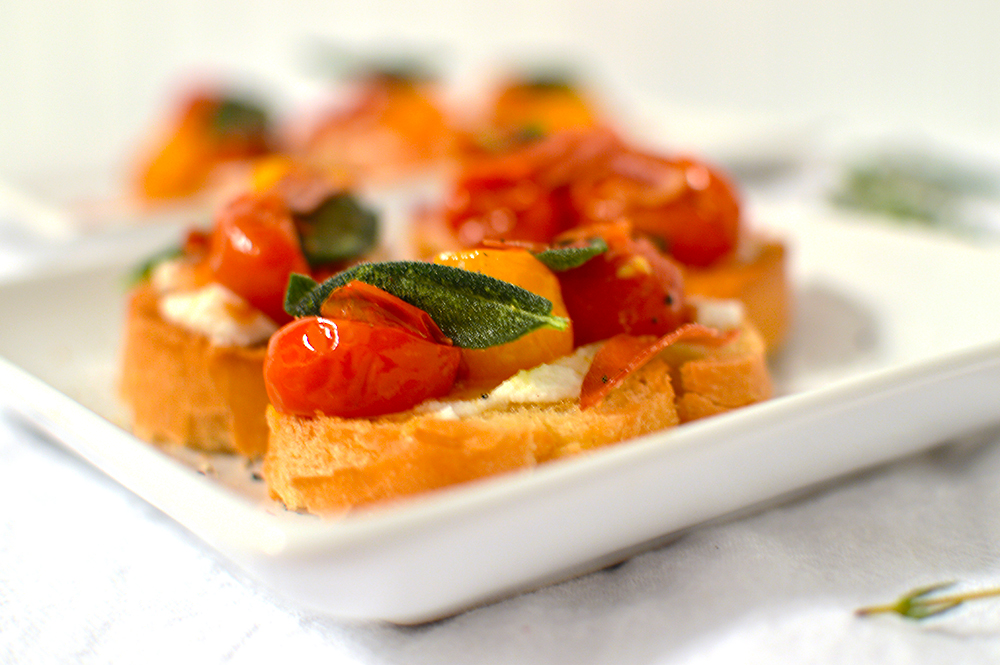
(831, 335)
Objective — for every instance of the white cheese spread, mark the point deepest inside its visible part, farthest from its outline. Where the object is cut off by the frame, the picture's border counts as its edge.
(720, 313)
(211, 310)
(545, 384)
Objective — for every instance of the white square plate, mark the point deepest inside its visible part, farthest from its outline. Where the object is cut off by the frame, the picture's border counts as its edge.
(896, 347)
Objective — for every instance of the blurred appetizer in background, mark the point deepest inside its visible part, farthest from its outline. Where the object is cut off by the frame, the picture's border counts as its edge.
(525, 107)
(390, 123)
(209, 131)
(376, 122)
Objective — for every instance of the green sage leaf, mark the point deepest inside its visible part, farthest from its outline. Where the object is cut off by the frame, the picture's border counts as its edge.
(244, 117)
(337, 230)
(474, 310)
(555, 77)
(298, 288)
(559, 259)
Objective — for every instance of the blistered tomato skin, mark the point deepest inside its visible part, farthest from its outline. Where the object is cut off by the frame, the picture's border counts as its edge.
(505, 208)
(352, 369)
(253, 249)
(574, 179)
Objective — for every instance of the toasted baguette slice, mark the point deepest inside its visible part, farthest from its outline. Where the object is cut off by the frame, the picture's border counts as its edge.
(327, 464)
(183, 389)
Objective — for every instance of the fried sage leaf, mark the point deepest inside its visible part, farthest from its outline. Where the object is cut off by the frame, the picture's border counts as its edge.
(243, 117)
(558, 259)
(337, 230)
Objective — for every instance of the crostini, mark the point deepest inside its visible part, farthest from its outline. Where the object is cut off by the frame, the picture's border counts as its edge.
(403, 377)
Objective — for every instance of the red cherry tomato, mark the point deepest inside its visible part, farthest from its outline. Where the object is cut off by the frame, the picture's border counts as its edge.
(632, 288)
(254, 248)
(579, 178)
(523, 195)
(688, 206)
(505, 204)
(353, 369)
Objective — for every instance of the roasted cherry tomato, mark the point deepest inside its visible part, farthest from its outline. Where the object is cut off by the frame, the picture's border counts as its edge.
(354, 369)
(632, 288)
(686, 205)
(254, 248)
(517, 266)
(501, 201)
(358, 301)
(577, 178)
(524, 194)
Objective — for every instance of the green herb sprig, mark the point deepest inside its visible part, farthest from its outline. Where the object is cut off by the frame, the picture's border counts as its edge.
(559, 259)
(914, 188)
(144, 270)
(239, 116)
(340, 228)
(925, 602)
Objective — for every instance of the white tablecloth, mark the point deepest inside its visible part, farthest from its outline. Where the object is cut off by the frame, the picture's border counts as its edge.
(91, 573)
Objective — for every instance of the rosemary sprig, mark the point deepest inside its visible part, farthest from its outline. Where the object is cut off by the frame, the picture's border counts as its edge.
(925, 602)
(913, 188)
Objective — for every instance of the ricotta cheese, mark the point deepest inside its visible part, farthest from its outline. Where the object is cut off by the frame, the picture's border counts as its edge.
(211, 310)
(546, 384)
(219, 314)
(720, 313)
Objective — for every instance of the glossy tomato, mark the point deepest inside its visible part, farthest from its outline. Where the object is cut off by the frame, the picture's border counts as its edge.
(689, 207)
(354, 369)
(365, 303)
(632, 288)
(254, 248)
(577, 178)
(506, 206)
(523, 195)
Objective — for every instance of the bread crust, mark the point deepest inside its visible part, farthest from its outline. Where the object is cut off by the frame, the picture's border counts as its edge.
(182, 389)
(328, 465)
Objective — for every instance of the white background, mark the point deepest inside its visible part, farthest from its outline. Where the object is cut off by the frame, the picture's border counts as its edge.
(80, 81)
